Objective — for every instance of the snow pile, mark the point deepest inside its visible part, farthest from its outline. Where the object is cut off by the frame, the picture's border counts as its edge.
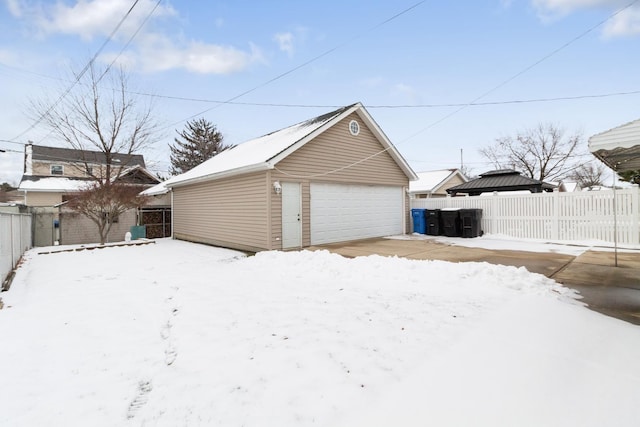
(184, 334)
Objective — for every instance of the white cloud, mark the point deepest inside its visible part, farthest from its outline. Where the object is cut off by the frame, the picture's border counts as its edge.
(406, 92)
(14, 7)
(285, 42)
(626, 23)
(559, 8)
(93, 18)
(156, 52)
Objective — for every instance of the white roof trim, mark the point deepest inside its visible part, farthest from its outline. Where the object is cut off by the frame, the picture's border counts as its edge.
(219, 175)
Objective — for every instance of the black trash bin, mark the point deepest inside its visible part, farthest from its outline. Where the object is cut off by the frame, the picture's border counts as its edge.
(434, 222)
(419, 225)
(451, 222)
(470, 220)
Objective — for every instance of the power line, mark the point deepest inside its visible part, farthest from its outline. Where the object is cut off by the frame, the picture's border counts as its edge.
(524, 70)
(397, 106)
(82, 72)
(462, 107)
(304, 64)
(126, 45)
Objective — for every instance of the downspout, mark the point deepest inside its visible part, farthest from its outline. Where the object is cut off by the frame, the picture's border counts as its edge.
(172, 218)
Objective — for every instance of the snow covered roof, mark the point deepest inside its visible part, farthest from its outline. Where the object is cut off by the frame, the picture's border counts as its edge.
(52, 184)
(265, 152)
(618, 148)
(430, 181)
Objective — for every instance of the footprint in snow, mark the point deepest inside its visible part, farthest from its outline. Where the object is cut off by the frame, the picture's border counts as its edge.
(144, 388)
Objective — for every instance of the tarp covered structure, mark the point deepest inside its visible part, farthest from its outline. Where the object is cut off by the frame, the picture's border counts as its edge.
(618, 148)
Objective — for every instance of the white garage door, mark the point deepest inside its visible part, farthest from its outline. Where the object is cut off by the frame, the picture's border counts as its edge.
(341, 212)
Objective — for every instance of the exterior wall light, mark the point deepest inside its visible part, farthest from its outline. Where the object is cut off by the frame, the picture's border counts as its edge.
(277, 187)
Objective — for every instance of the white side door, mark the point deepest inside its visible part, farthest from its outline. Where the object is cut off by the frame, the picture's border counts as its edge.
(291, 215)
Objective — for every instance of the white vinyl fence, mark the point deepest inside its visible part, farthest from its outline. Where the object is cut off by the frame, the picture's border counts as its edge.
(586, 215)
(15, 238)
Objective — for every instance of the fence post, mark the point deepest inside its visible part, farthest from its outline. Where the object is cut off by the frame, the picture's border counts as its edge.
(635, 213)
(494, 213)
(555, 228)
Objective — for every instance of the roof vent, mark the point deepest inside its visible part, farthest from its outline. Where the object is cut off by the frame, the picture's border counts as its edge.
(354, 128)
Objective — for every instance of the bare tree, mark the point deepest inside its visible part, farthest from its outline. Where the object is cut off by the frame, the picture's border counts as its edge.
(101, 115)
(103, 204)
(588, 175)
(540, 153)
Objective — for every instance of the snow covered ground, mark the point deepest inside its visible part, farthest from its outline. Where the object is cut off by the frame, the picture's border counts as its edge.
(174, 334)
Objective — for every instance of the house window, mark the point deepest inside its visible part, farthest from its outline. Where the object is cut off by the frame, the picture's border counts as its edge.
(354, 127)
(57, 170)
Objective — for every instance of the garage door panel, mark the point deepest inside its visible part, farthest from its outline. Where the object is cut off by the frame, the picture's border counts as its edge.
(341, 212)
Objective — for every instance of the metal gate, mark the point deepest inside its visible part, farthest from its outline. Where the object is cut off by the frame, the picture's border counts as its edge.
(44, 232)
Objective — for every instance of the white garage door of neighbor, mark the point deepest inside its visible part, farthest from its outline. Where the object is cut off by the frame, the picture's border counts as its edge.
(341, 212)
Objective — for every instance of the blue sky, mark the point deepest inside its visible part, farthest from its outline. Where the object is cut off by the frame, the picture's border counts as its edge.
(434, 53)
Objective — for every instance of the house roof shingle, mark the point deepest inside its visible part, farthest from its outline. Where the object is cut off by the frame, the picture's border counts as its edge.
(59, 154)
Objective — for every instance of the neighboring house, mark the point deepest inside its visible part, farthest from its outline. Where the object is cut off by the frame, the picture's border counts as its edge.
(336, 177)
(53, 174)
(499, 181)
(567, 186)
(435, 183)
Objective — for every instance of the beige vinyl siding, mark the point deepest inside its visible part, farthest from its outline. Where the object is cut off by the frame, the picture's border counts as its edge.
(76, 170)
(40, 198)
(337, 148)
(332, 150)
(442, 191)
(231, 212)
(455, 180)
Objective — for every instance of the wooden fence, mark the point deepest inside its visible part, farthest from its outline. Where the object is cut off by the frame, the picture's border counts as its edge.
(576, 216)
(15, 238)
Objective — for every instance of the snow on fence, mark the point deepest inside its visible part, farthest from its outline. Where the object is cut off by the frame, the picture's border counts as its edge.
(586, 215)
(15, 238)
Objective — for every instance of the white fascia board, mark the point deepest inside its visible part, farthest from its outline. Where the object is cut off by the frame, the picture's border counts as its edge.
(220, 175)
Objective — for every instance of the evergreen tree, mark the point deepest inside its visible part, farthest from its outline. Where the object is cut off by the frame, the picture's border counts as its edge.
(632, 176)
(200, 142)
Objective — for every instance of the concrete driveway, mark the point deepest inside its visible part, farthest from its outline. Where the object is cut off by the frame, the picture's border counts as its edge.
(614, 291)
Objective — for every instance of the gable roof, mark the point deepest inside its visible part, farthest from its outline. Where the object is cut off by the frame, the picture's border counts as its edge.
(618, 148)
(265, 152)
(432, 181)
(58, 154)
(500, 180)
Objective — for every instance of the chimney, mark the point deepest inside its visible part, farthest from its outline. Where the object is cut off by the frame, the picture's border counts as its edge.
(28, 158)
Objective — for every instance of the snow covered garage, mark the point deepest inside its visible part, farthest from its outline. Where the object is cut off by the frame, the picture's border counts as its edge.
(332, 178)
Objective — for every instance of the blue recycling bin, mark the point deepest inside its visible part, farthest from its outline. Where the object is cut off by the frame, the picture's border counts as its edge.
(419, 221)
